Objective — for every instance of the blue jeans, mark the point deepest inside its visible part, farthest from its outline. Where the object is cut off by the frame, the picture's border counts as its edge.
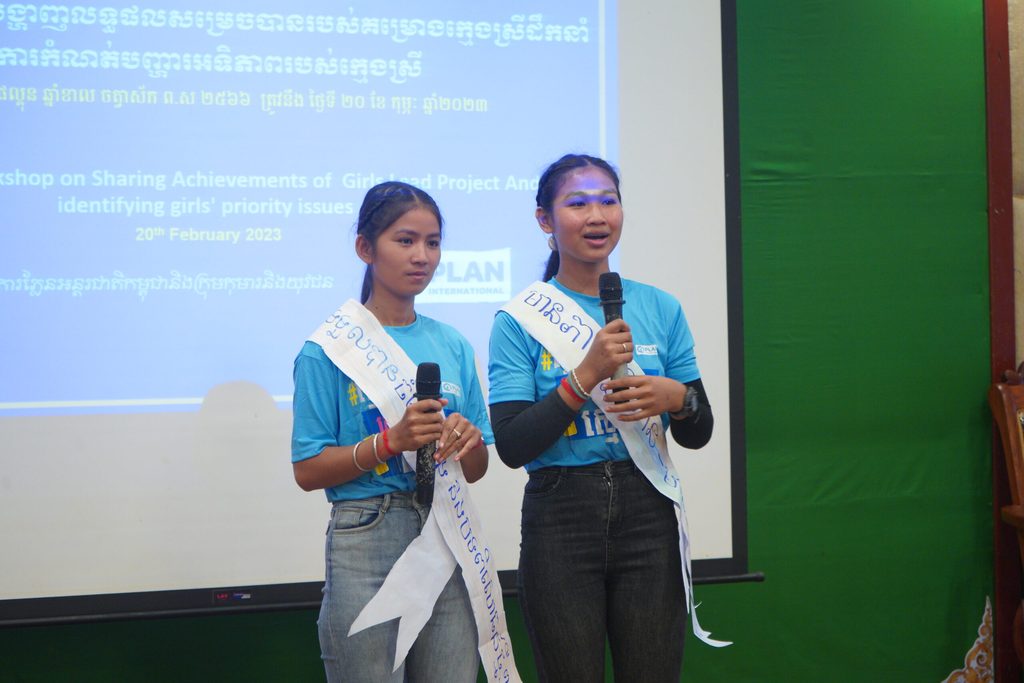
(364, 540)
(600, 557)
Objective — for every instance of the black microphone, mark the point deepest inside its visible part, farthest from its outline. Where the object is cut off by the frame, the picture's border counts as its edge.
(428, 386)
(609, 286)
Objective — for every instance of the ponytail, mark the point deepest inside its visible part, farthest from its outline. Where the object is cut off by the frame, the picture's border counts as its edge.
(551, 269)
(364, 296)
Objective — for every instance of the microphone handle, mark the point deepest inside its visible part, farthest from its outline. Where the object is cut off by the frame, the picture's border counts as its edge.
(425, 474)
(425, 465)
(614, 312)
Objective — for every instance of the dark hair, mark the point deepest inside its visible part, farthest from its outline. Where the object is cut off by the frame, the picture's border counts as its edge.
(551, 181)
(383, 205)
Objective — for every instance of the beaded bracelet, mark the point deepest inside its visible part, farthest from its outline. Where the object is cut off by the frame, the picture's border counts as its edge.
(583, 393)
(355, 461)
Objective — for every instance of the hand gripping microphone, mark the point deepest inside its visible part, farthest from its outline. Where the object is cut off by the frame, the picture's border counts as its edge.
(428, 386)
(609, 286)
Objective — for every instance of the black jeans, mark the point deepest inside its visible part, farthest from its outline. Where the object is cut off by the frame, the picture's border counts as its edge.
(600, 556)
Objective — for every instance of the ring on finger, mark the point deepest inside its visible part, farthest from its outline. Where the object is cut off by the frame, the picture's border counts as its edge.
(625, 349)
(458, 434)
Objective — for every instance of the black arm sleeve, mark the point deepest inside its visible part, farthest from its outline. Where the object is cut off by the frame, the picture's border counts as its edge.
(524, 429)
(695, 431)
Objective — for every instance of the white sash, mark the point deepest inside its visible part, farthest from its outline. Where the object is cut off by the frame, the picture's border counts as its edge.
(566, 330)
(356, 342)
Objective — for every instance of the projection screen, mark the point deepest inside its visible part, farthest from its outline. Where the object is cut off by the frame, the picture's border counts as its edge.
(178, 194)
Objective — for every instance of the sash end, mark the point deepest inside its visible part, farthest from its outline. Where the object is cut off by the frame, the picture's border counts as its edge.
(705, 637)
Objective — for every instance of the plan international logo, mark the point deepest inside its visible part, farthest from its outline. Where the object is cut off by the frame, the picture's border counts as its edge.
(465, 277)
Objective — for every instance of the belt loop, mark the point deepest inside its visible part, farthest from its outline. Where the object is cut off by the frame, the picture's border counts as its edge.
(608, 469)
(386, 503)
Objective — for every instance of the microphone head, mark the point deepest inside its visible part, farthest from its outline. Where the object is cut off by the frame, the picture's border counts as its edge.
(609, 286)
(428, 379)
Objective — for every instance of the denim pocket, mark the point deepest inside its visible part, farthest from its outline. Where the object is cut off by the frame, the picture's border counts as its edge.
(542, 482)
(354, 519)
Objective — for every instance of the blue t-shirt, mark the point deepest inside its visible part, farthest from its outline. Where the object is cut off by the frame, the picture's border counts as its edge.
(330, 410)
(520, 369)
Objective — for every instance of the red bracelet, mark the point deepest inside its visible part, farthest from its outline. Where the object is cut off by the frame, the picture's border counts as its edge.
(387, 446)
(572, 390)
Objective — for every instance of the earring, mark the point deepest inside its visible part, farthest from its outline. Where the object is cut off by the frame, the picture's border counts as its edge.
(551, 243)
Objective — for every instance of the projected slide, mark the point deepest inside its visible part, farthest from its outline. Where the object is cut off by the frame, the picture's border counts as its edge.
(180, 182)
(178, 195)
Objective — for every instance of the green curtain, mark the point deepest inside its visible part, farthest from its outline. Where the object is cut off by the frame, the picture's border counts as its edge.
(865, 294)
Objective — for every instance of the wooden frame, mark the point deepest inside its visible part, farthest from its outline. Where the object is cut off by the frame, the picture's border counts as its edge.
(1006, 559)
